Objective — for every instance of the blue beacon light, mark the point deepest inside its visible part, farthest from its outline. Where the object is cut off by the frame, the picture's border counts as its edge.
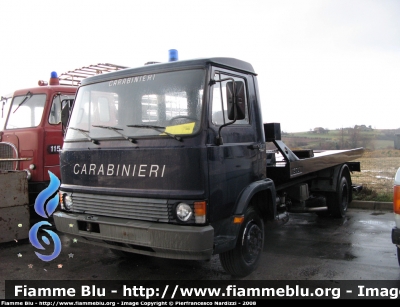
(173, 55)
(54, 78)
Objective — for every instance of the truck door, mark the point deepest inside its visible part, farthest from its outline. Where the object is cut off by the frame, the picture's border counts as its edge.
(234, 164)
(53, 136)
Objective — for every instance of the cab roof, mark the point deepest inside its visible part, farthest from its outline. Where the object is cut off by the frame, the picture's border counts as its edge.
(222, 62)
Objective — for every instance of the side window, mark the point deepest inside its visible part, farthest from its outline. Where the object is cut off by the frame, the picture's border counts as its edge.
(56, 107)
(55, 111)
(220, 104)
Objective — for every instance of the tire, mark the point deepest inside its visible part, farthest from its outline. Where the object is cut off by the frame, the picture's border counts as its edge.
(339, 201)
(398, 254)
(245, 257)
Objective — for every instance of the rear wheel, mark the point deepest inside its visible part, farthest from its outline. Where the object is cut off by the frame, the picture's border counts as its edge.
(245, 257)
(339, 201)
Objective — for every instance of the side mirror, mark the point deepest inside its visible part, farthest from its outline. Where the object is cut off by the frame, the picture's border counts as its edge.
(236, 100)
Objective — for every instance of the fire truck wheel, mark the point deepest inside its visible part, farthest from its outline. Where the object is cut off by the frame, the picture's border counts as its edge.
(244, 258)
(339, 201)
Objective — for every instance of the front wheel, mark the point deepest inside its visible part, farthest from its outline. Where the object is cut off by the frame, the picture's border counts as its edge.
(245, 257)
(398, 254)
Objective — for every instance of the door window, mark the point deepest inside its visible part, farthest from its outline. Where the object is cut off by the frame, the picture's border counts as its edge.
(220, 100)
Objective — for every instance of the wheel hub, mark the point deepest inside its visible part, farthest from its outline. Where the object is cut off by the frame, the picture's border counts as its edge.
(252, 242)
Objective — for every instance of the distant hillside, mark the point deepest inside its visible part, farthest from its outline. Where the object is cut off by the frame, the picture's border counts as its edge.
(347, 138)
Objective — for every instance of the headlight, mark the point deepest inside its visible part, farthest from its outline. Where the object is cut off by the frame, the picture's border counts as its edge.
(183, 212)
(66, 201)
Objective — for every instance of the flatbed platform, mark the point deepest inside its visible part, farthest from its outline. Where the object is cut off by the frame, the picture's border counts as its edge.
(290, 166)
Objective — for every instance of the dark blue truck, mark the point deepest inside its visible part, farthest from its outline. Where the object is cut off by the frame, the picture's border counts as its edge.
(170, 160)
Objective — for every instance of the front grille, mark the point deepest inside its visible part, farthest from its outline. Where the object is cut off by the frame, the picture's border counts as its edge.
(145, 209)
(8, 151)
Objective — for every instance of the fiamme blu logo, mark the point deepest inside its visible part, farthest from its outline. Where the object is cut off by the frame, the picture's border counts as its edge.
(45, 205)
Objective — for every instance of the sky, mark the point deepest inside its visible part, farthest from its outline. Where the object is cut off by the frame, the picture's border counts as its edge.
(320, 63)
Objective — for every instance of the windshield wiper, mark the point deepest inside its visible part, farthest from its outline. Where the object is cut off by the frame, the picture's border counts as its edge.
(85, 133)
(4, 100)
(27, 96)
(117, 131)
(158, 128)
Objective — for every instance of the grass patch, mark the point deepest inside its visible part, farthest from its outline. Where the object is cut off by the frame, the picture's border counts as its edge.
(367, 194)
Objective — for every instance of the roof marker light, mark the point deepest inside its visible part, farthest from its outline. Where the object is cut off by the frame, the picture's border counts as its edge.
(173, 55)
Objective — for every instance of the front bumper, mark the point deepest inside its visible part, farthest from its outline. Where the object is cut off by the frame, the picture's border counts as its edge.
(141, 237)
(396, 235)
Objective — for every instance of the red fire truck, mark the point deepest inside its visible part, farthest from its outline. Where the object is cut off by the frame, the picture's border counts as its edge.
(31, 132)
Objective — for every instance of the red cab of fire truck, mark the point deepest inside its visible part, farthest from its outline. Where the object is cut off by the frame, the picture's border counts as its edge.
(31, 131)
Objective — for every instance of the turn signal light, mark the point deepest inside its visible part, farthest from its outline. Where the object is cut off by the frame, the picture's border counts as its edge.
(396, 199)
(200, 210)
(238, 219)
(60, 198)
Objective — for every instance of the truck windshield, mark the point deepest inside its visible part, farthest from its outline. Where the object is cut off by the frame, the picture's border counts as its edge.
(26, 111)
(172, 101)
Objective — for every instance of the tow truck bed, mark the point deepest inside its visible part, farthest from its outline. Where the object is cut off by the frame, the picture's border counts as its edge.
(280, 168)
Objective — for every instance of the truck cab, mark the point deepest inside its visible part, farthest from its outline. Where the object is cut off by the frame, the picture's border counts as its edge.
(170, 160)
(33, 135)
(33, 131)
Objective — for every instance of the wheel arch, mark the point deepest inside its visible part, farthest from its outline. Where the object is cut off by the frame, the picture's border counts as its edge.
(260, 194)
(328, 179)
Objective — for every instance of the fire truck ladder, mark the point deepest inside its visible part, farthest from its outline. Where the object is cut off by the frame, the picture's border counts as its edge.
(74, 77)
